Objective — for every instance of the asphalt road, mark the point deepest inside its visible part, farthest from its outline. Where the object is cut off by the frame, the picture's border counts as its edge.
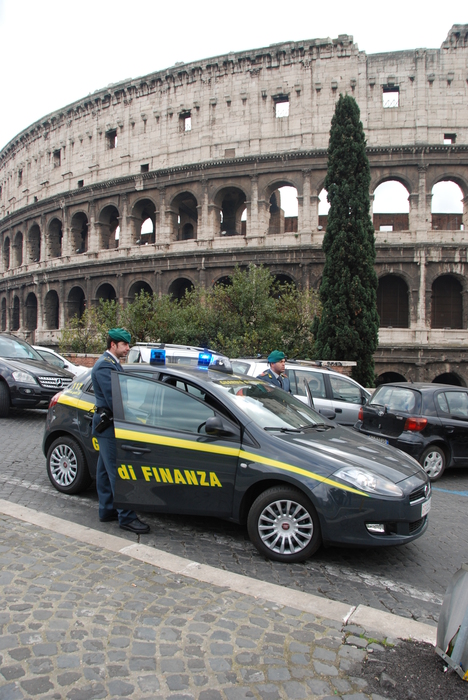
(408, 581)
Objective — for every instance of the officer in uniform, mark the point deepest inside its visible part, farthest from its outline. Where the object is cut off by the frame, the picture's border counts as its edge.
(118, 344)
(275, 373)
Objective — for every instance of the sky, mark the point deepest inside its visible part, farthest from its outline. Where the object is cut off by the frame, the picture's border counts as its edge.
(53, 52)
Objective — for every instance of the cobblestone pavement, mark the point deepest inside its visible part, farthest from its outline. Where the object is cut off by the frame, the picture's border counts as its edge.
(80, 622)
(409, 581)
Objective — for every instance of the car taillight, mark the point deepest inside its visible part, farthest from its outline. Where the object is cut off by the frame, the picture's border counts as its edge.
(54, 399)
(415, 424)
(361, 414)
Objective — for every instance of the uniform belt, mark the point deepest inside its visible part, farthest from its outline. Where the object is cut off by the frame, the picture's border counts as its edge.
(101, 408)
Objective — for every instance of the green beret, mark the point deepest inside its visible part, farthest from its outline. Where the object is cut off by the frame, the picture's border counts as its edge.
(276, 356)
(120, 335)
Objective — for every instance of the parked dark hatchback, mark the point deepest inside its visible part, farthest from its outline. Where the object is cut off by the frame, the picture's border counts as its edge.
(26, 380)
(428, 421)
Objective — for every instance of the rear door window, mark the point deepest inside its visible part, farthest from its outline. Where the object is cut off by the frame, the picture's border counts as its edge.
(313, 379)
(343, 390)
(454, 403)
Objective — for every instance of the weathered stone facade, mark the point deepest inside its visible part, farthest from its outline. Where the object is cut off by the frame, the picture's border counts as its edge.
(189, 149)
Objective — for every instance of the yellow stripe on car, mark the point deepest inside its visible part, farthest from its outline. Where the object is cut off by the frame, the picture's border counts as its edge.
(137, 436)
(68, 400)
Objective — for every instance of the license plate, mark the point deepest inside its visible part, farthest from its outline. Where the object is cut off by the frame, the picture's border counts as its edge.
(379, 439)
(425, 508)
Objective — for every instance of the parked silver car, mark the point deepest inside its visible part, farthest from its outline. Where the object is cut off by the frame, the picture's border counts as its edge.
(335, 395)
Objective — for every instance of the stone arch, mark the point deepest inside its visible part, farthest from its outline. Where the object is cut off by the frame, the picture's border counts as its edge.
(446, 302)
(284, 278)
(179, 287)
(447, 205)
(143, 220)
(224, 281)
(109, 228)
(184, 216)
(15, 314)
(79, 233)
(76, 303)
(18, 250)
(449, 378)
(389, 377)
(4, 314)
(54, 238)
(275, 194)
(230, 202)
(34, 244)
(31, 312)
(391, 205)
(138, 287)
(51, 310)
(106, 292)
(393, 302)
(6, 253)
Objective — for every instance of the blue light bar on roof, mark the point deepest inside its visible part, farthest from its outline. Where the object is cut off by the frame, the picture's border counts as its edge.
(157, 357)
(204, 359)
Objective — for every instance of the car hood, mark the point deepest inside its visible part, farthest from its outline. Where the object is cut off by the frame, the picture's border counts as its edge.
(339, 446)
(35, 367)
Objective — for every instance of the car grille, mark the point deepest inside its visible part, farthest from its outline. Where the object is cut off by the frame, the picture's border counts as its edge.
(420, 494)
(55, 382)
(416, 525)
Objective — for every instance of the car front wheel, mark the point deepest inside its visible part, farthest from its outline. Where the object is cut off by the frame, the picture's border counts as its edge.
(66, 466)
(283, 525)
(433, 461)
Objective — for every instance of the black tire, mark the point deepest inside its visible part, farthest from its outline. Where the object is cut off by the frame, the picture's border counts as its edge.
(280, 510)
(66, 466)
(433, 460)
(4, 400)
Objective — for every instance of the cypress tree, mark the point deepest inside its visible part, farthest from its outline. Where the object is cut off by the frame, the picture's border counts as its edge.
(348, 328)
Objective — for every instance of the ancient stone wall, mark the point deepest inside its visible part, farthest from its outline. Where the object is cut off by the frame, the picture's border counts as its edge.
(172, 179)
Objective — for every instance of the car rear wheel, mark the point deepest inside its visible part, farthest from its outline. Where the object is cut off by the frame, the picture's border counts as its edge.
(4, 400)
(66, 466)
(283, 525)
(433, 461)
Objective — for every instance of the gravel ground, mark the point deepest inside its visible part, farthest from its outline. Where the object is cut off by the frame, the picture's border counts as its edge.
(410, 671)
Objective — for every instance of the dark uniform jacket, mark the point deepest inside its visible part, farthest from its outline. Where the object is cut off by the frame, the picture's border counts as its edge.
(268, 376)
(101, 377)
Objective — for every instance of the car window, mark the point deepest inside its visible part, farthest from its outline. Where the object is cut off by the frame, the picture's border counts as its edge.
(343, 390)
(240, 367)
(454, 402)
(52, 359)
(163, 406)
(17, 349)
(315, 381)
(268, 406)
(133, 355)
(395, 398)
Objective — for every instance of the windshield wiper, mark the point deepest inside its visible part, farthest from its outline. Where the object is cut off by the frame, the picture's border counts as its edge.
(317, 426)
(282, 430)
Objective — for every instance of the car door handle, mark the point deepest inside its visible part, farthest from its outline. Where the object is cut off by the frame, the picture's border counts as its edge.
(136, 449)
(338, 410)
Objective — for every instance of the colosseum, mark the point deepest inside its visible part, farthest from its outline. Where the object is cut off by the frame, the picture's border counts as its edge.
(172, 179)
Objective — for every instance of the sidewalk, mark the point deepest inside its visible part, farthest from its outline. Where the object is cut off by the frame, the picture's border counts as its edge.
(85, 615)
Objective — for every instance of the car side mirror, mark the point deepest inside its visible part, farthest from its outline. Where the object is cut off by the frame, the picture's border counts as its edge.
(216, 426)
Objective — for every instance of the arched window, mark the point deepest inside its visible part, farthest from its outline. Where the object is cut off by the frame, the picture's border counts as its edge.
(31, 312)
(323, 209)
(283, 210)
(447, 207)
(392, 302)
(447, 308)
(51, 309)
(15, 316)
(106, 292)
(6, 253)
(76, 303)
(184, 215)
(137, 288)
(54, 239)
(79, 233)
(389, 377)
(18, 250)
(391, 207)
(34, 244)
(144, 222)
(179, 287)
(109, 229)
(231, 202)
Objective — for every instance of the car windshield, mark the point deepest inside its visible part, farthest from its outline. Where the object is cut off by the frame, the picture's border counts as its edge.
(268, 406)
(13, 348)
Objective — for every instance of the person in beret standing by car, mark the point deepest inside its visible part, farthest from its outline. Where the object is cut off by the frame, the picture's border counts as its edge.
(275, 373)
(118, 345)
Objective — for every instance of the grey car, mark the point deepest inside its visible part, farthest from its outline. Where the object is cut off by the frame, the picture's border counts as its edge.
(335, 395)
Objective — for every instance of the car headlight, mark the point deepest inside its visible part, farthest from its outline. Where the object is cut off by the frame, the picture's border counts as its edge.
(367, 481)
(23, 377)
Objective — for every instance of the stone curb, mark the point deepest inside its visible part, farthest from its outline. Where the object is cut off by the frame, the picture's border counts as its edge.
(370, 619)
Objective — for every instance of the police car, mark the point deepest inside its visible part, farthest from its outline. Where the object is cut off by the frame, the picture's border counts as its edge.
(169, 353)
(203, 441)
